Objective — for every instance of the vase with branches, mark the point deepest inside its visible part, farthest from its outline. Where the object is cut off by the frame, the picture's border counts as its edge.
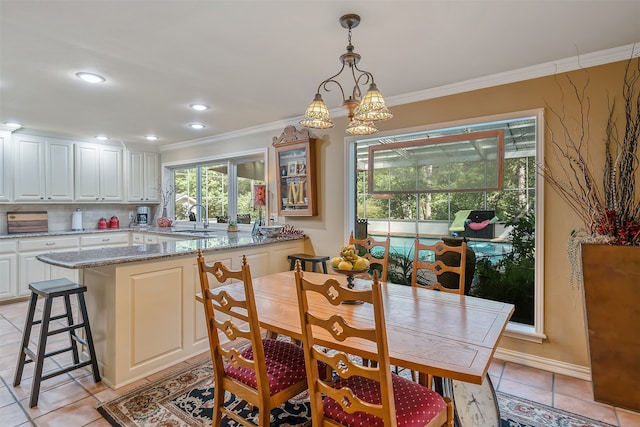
(604, 197)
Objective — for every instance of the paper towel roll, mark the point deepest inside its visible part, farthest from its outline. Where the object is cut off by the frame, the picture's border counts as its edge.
(76, 220)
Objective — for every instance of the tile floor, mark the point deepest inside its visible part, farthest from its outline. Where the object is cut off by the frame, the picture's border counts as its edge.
(69, 400)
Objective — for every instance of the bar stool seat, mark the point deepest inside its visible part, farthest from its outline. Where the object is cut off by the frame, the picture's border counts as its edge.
(49, 290)
(313, 259)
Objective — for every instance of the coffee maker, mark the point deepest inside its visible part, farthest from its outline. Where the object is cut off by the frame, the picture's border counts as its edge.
(143, 215)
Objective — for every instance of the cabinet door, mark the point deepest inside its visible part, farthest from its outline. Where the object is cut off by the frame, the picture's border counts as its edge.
(135, 181)
(111, 188)
(295, 164)
(87, 177)
(152, 185)
(5, 168)
(8, 276)
(29, 168)
(59, 170)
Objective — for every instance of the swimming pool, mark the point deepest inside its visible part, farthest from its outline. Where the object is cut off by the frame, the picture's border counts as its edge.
(493, 251)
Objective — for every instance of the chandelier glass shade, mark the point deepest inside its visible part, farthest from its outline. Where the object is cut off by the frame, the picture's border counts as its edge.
(361, 114)
(317, 115)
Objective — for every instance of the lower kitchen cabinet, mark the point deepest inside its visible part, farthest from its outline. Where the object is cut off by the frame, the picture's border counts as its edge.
(8, 269)
(32, 270)
(104, 240)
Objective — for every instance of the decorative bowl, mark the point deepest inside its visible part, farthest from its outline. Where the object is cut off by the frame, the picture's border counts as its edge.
(270, 230)
(163, 221)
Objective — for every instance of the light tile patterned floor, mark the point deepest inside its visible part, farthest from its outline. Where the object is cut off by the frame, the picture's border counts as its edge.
(69, 400)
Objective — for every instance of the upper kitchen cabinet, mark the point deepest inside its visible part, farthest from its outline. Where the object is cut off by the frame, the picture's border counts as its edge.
(5, 167)
(43, 169)
(99, 173)
(144, 176)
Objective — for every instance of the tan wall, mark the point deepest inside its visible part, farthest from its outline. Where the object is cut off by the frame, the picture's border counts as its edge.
(564, 324)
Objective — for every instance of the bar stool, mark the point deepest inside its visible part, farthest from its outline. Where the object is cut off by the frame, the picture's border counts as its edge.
(313, 259)
(49, 290)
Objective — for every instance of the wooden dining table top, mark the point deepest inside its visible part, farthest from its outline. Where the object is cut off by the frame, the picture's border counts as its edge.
(438, 333)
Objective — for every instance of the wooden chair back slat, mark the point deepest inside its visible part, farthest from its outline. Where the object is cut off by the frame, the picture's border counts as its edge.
(437, 266)
(368, 244)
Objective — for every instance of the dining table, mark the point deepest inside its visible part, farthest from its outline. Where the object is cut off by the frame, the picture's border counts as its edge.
(438, 333)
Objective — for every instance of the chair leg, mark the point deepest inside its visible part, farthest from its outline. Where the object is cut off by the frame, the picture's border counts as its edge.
(26, 336)
(89, 338)
(40, 354)
(72, 333)
(450, 412)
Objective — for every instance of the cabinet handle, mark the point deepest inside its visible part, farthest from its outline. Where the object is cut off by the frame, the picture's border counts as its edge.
(106, 240)
(50, 243)
(49, 198)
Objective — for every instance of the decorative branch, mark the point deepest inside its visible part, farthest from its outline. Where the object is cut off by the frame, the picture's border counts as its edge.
(611, 209)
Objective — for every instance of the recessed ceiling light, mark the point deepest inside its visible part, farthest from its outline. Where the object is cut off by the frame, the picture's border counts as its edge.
(90, 77)
(151, 137)
(199, 107)
(13, 125)
(197, 126)
(102, 137)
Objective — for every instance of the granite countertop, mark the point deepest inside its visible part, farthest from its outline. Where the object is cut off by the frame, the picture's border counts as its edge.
(189, 246)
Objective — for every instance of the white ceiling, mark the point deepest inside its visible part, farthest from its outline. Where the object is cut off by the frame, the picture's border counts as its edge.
(258, 62)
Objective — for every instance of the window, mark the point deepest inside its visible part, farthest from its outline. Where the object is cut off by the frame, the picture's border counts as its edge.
(408, 184)
(224, 187)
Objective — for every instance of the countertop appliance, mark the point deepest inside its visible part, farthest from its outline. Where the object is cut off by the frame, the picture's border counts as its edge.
(143, 215)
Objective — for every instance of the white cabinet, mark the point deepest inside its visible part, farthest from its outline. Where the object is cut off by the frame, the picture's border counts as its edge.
(104, 240)
(8, 269)
(5, 167)
(31, 270)
(43, 169)
(143, 182)
(99, 173)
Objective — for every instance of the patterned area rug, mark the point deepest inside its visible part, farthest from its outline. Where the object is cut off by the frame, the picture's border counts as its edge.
(184, 398)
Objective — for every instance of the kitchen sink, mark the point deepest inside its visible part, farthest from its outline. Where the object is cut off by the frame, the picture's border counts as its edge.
(198, 232)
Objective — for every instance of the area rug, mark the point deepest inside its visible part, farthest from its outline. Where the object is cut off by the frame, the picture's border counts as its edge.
(184, 398)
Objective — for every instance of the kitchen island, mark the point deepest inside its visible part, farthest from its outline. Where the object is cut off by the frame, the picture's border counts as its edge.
(141, 299)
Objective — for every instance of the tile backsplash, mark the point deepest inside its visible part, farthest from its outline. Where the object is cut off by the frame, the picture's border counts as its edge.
(60, 215)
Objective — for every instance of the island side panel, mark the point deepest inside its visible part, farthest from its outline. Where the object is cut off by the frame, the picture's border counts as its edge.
(144, 315)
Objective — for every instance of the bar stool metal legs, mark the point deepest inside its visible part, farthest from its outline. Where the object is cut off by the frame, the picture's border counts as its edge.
(49, 290)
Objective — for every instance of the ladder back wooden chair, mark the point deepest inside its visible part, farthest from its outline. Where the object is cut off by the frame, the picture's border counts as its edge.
(426, 271)
(368, 244)
(356, 394)
(263, 372)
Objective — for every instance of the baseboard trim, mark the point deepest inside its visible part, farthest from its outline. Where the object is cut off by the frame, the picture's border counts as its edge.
(551, 365)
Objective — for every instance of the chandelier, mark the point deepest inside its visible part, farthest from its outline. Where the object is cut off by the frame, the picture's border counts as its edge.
(361, 113)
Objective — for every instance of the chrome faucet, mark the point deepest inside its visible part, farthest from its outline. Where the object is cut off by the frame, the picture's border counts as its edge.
(205, 222)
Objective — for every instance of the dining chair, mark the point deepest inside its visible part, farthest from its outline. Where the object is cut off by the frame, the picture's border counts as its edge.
(356, 394)
(263, 372)
(368, 244)
(426, 272)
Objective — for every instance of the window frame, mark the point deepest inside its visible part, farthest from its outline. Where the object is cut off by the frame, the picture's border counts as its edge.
(533, 333)
(232, 160)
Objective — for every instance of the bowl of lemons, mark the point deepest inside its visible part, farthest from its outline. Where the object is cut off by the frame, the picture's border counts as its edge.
(348, 262)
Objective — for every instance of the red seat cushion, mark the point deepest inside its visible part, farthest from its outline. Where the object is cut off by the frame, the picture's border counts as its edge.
(285, 365)
(415, 405)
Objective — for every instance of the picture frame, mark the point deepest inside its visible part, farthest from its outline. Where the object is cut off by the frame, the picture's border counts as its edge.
(292, 167)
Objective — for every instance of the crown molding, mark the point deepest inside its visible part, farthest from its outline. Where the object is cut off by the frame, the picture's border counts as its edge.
(541, 70)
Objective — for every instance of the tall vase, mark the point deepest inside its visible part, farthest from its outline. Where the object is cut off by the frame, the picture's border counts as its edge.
(611, 278)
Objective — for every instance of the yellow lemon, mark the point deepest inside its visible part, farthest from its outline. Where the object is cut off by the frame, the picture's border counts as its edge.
(335, 261)
(361, 264)
(345, 265)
